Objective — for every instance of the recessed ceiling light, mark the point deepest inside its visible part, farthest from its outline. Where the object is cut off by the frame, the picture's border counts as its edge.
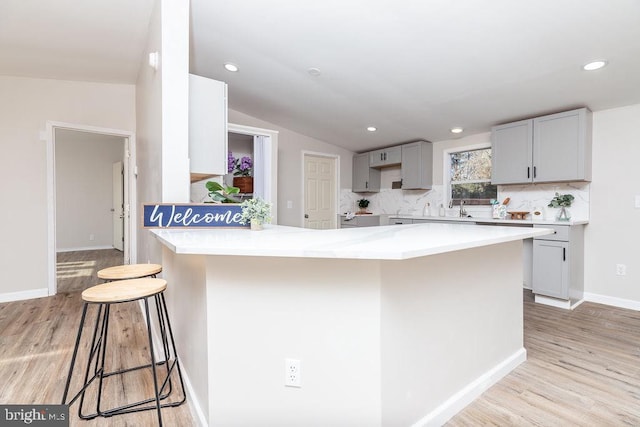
(315, 72)
(231, 67)
(456, 130)
(594, 65)
(372, 129)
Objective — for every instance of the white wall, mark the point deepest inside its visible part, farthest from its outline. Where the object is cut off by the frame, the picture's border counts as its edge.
(290, 148)
(84, 188)
(614, 228)
(162, 105)
(26, 105)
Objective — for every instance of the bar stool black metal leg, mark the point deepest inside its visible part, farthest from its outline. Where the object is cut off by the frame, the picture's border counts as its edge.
(105, 332)
(153, 361)
(94, 351)
(75, 352)
(176, 363)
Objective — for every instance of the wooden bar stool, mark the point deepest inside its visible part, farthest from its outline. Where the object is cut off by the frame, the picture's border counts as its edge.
(104, 296)
(129, 271)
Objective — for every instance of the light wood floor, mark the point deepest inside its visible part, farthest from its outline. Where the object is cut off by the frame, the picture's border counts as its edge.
(583, 366)
(36, 342)
(582, 369)
(78, 270)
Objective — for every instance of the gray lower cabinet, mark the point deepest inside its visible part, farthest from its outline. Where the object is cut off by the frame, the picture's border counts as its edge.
(558, 263)
(417, 165)
(359, 221)
(400, 221)
(552, 148)
(442, 221)
(551, 268)
(365, 179)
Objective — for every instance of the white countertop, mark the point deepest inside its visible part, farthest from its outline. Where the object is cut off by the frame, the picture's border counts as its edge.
(384, 243)
(492, 220)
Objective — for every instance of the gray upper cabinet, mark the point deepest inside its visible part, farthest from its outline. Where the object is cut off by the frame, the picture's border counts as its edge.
(562, 147)
(365, 179)
(207, 127)
(551, 148)
(417, 165)
(385, 157)
(512, 152)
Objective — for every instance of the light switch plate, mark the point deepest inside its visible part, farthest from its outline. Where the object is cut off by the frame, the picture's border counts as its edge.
(637, 201)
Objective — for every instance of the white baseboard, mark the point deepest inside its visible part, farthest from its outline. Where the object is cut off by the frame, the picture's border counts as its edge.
(22, 295)
(194, 404)
(192, 401)
(462, 398)
(613, 301)
(555, 302)
(85, 248)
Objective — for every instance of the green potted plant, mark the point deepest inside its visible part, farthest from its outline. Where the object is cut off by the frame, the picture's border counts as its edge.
(220, 194)
(562, 201)
(363, 204)
(255, 212)
(241, 168)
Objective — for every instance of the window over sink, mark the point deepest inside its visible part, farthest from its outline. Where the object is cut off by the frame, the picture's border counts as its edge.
(470, 177)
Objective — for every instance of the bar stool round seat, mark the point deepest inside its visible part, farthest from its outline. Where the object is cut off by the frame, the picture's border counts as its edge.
(103, 296)
(124, 290)
(129, 271)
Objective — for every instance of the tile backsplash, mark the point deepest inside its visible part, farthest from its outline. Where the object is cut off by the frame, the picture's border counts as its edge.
(523, 198)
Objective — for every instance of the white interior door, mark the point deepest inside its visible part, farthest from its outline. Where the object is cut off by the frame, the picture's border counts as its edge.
(118, 206)
(320, 192)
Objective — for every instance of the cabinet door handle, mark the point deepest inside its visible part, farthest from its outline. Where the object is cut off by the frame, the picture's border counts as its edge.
(534, 172)
(564, 254)
(366, 184)
(528, 172)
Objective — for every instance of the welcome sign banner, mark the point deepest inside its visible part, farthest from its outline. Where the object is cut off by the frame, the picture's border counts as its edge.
(207, 215)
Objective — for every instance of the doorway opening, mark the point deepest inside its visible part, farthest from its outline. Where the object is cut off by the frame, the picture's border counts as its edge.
(261, 145)
(91, 199)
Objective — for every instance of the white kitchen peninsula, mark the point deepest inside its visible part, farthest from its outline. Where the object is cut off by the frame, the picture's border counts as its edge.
(394, 326)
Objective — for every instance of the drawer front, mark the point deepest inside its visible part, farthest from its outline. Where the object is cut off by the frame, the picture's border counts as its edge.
(397, 221)
(360, 221)
(561, 232)
(344, 222)
(367, 220)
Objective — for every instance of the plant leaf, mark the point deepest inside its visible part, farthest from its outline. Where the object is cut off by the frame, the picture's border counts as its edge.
(213, 186)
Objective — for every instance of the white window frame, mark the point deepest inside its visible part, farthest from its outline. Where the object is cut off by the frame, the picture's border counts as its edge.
(446, 166)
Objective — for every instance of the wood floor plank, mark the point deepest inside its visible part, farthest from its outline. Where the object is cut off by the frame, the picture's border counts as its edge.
(36, 342)
(582, 369)
(583, 366)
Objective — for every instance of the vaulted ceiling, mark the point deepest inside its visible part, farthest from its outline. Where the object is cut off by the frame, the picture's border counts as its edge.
(413, 69)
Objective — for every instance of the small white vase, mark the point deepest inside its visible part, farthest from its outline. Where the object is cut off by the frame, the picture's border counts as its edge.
(563, 214)
(256, 225)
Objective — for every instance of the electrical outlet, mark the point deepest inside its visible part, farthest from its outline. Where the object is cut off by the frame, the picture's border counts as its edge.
(621, 269)
(92, 237)
(292, 373)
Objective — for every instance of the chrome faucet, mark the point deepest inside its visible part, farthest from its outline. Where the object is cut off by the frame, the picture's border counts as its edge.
(463, 212)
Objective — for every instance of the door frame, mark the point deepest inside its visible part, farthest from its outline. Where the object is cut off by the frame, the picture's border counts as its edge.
(336, 159)
(129, 161)
(271, 161)
(117, 179)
